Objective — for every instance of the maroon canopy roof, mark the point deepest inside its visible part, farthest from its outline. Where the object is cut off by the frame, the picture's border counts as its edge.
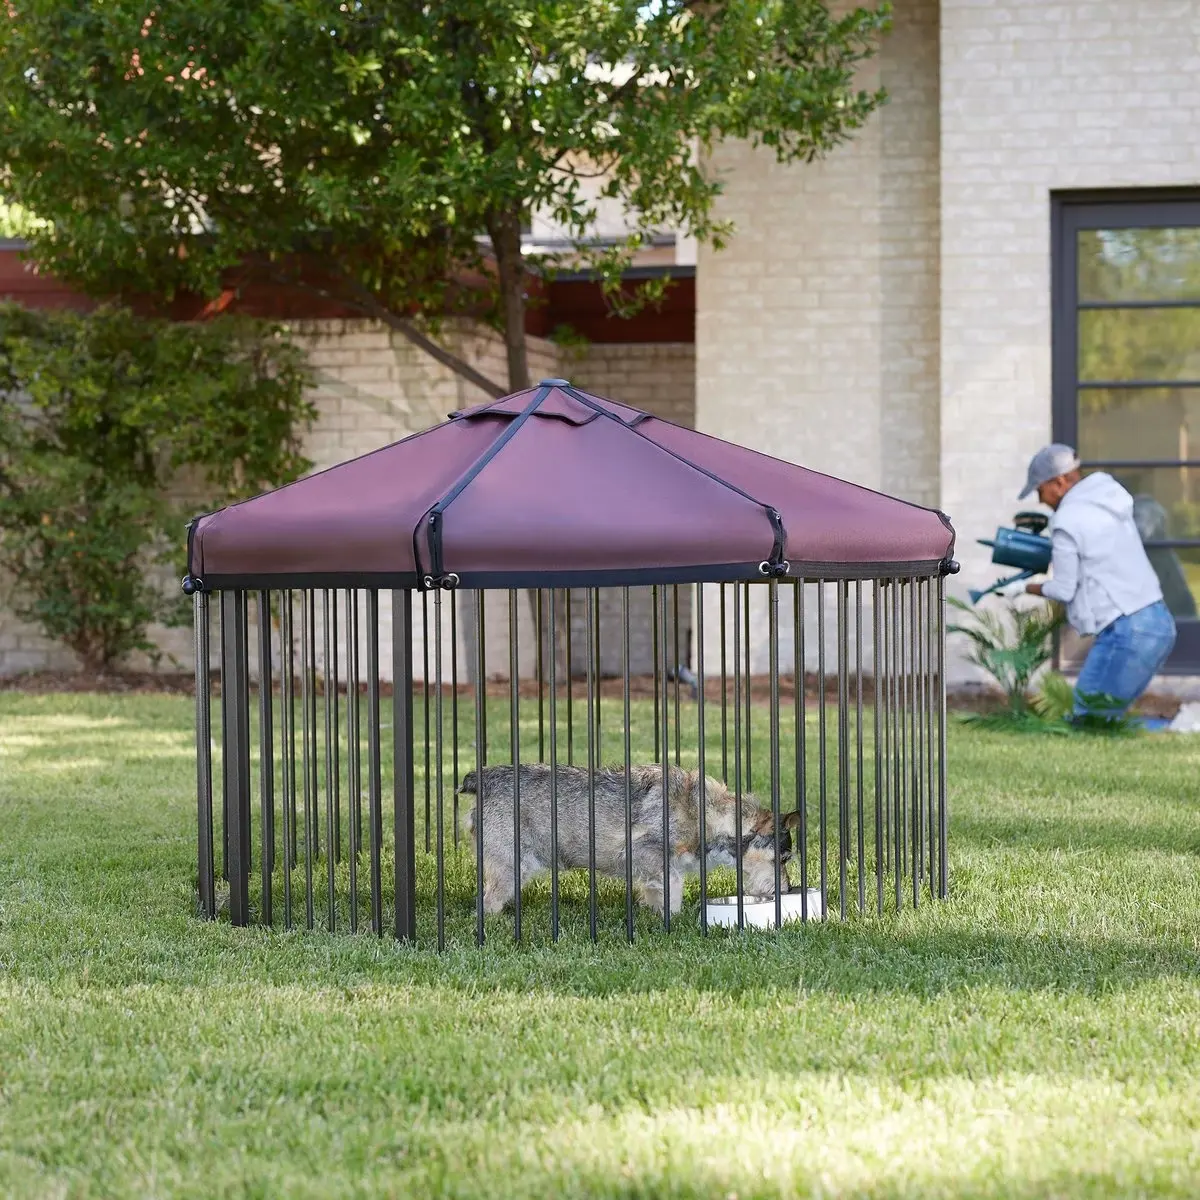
(556, 487)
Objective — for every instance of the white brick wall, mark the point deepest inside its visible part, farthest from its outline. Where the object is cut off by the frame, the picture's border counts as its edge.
(1037, 97)
(817, 328)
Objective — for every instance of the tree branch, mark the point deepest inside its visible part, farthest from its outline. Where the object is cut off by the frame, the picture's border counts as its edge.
(362, 300)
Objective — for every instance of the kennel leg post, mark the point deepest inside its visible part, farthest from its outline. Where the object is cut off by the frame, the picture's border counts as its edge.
(206, 882)
(858, 725)
(702, 803)
(354, 759)
(554, 914)
(328, 693)
(266, 755)
(480, 758)
(514, 728)
(404, 830)
(800, 705)
(288, 750)
(235, 696)
(737, 751)
(823, 755)
(628, 762)
(590, 649)
(439, 719)
(943, 862)
(773, 654)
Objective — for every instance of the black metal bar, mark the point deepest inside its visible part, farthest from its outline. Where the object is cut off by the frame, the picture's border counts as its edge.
(539, 636)
(333, 686)
(885, 734)
(554, 913)
(877, 679)
(1131, 384)
(748, 680)
(514, 726)
(918, 775)
(773, 669)
(702, 806)
(628, 766)
(914, 751)
(329, 690)
(858, 776)
(235, 696)
(454, 706)
(843, 747)
(206, 881)
(724, 693)
(665, 760)
(353, 749)
(1148, 463)
(823, 809)
(425, 712)
(659, 756)
(800, 683)
(931, 722)
(1086, 305)
(266, 756)
(596, 730)
(570, 620)
(737, 753)
(288, 687)
(905, 676)
(224, 668)
(374, 772)
(675, 633)
(403, 831)
(439, 722)
(897, 762)
(314, 780)
(481, 714)
(480, 758)
(308, 748)
(590, 649)
(943, 860)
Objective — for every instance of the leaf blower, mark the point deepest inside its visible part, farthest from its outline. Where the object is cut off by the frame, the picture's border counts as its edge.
(1025, 547)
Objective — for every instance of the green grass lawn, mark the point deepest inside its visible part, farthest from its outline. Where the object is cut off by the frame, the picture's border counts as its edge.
(1038, 1034)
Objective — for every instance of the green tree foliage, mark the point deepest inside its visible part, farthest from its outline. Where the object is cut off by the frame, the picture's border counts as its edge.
(400, 147)
(100, 414)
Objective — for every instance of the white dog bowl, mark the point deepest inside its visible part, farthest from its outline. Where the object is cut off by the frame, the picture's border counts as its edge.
(760, 910)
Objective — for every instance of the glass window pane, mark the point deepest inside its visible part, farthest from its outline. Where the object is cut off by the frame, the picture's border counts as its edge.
(1127, 423)
(1166, 500)
(1178, 571)
(1139, 264)
(1139, 343)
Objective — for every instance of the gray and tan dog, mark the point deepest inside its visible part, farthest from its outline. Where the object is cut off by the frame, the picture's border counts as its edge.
(757, 850)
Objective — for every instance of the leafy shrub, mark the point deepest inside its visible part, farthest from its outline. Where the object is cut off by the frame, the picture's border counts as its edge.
(101, 414)
(1011, 643)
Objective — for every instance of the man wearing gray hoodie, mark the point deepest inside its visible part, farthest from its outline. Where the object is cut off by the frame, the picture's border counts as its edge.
(1103, 576)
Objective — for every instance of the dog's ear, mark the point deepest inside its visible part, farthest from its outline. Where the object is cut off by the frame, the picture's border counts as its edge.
(791, 820)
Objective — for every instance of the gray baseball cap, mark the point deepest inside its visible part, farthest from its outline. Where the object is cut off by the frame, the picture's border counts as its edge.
(1049, 463)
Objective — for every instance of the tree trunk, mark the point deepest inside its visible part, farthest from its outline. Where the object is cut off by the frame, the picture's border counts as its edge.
(505, 231)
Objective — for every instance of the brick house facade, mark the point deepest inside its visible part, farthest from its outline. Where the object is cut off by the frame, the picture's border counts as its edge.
(895, 313)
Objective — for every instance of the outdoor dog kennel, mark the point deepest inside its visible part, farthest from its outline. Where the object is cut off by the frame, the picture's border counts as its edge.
(556, 578)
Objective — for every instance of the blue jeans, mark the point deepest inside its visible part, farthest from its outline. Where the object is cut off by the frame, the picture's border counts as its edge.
(1124, 658)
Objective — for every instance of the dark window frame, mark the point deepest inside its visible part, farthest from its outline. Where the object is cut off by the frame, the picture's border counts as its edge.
(1070, 213)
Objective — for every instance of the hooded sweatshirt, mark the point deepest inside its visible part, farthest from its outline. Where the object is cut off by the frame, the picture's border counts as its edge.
(1101, 571)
